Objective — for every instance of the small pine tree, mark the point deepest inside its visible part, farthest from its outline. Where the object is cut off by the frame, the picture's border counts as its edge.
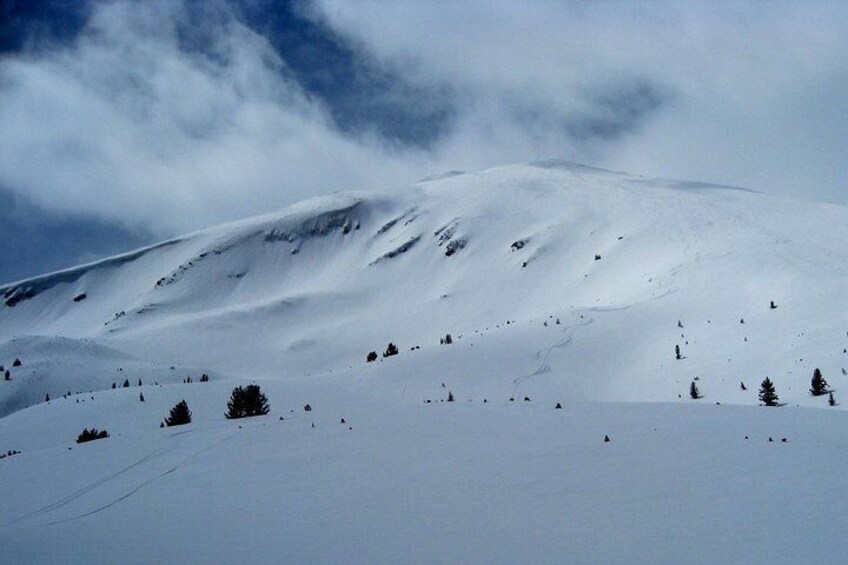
(139, 382)
(768, 395)
(450, 396)
(47, 397)
(179, 415)
(235, 405)
(141, 397)
(127, 383)
(391, 349)
(114, 385)
(677, 352)
(694, 392)
(830, 399)
(7, 375)
(818, 386)
(372, 356)
(742, 386)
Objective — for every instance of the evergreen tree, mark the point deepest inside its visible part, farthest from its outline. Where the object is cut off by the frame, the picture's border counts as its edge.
(247, 401)
(126, 383)
(180, 414)
(235, 405)
(768, 396)
(256, 403)
(391, 349)
(372, 356)
(450, 396)
(818, 386)
(830, 399)
(694, 392)
(47, 397)
(677, 352)
(141, 397)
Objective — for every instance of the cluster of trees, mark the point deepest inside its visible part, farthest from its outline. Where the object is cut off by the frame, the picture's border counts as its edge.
(391, 349)
(204, 378)
(92, 434)
(768, 394)
(7, 374)
(244, 402)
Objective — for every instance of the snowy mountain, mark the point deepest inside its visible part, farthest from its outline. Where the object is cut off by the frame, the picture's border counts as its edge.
(617, 259)
(557, 283)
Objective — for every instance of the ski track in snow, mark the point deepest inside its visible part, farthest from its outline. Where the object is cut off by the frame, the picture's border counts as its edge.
(543, 354)
(88, 488)
(76, 495)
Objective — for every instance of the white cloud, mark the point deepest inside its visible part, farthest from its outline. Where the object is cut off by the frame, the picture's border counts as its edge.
(755, 91)
(129, 125)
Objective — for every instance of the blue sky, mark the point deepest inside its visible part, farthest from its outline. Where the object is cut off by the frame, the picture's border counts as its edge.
(124, 122)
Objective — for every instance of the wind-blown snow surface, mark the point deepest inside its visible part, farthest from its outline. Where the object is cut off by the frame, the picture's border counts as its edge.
(557, 282)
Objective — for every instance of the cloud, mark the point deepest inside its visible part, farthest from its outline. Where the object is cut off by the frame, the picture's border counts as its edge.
(129, 124)
(738, 93)
(167, 116)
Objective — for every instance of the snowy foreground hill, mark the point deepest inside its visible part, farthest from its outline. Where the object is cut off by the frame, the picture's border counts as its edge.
(557, 283)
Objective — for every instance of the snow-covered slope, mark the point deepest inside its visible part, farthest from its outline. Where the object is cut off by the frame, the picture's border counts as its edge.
(316, 287)
(558, 284)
